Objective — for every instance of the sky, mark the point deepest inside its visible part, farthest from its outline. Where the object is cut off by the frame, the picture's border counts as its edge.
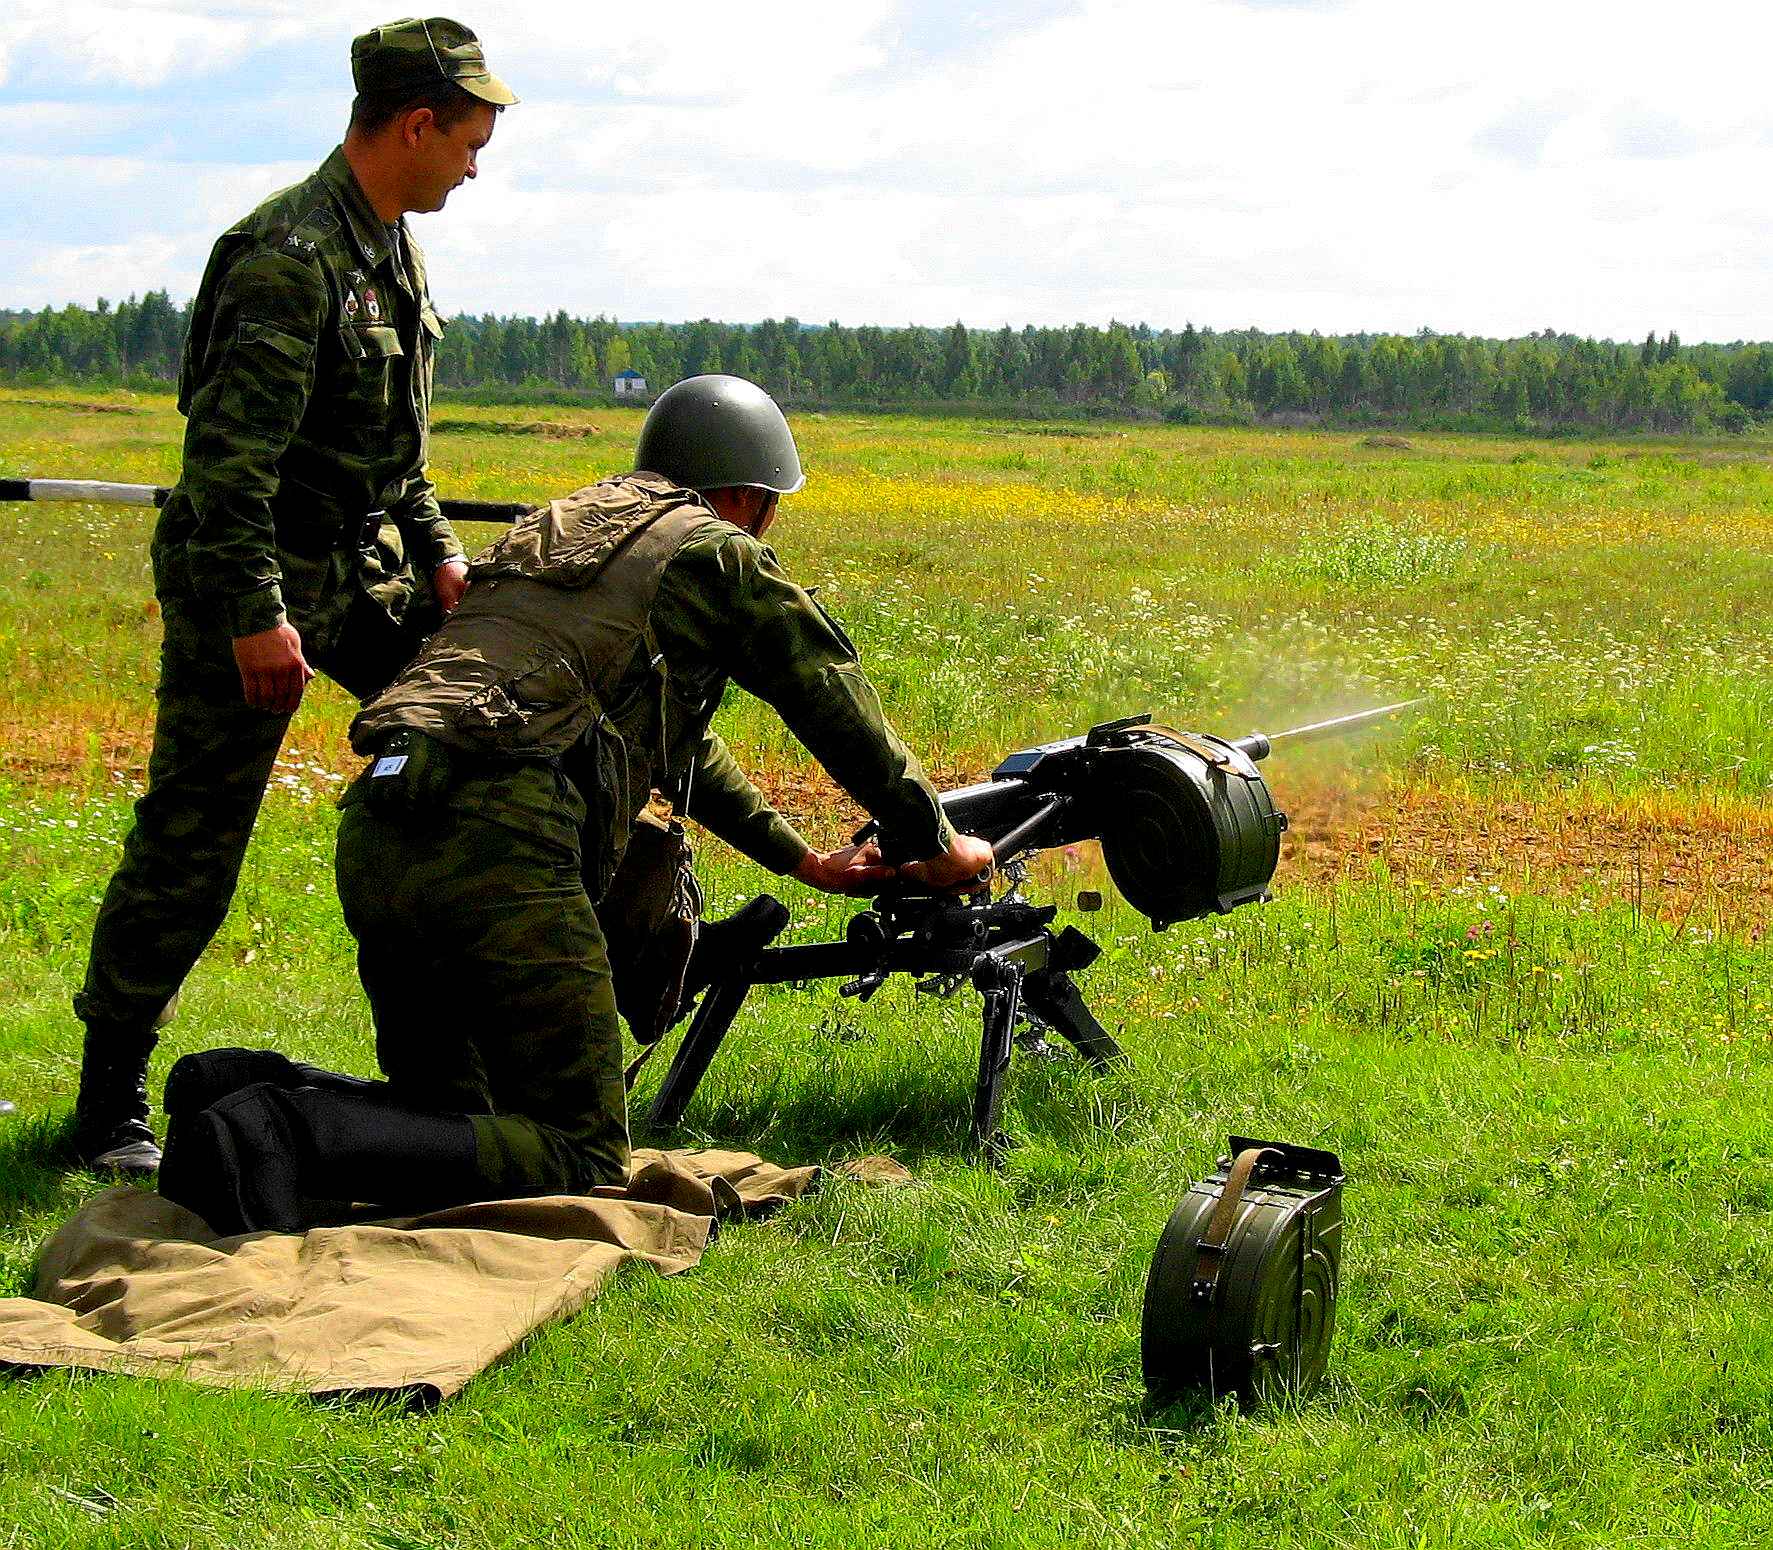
(1339, 165)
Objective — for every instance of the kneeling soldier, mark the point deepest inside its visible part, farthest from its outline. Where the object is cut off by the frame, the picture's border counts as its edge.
(509, 762)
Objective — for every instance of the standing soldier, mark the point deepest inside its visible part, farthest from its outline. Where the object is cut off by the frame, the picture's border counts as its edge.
(509, 762)
(304, 532)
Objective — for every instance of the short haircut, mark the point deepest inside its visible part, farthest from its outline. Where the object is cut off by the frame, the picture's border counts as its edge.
(372, 112)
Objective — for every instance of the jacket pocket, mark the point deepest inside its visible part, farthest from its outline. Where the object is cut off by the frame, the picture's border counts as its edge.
(250, 331)
(372, 342)
(370, 352)
(539, 708)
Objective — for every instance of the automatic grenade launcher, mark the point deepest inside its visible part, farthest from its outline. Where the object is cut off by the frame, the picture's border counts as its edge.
(1188, 828)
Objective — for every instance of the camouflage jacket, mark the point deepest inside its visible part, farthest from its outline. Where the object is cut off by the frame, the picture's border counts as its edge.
(602, 630)
(306, 382)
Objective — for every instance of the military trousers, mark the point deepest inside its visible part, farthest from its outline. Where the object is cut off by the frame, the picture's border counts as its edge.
(209, 765)
(211, 760)
(487, 974)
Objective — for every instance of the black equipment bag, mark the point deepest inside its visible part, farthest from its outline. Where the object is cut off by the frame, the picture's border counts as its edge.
(651, 915)
(1241, 1298)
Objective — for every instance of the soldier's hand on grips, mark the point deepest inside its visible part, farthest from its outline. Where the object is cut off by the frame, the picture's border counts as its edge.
(967, 861)
(853, 869)
(273, 671)
(448, 582)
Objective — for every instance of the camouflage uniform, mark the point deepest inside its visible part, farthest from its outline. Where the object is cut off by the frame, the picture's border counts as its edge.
(579, 672)
(306, 382)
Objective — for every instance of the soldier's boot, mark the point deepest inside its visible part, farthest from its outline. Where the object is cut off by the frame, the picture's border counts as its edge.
(725, 948)
(111, 1130)
(197, 1081)
(278, 1159)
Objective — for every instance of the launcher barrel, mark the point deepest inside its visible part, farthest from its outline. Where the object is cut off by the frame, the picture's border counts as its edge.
(1258, 745)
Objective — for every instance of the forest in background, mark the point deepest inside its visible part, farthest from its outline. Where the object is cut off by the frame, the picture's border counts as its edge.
(1546, 381)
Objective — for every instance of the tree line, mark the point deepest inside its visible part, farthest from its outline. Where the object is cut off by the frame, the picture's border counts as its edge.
(1547, 380)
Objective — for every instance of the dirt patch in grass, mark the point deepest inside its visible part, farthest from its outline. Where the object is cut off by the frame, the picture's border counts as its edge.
(76, 405)
(1680, 860)
(1705, 862)
(552, 430)
(102, 742)
(1061, 432)
(1709, 862)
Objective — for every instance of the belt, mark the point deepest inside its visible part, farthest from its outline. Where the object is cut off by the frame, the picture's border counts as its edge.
(461, 763)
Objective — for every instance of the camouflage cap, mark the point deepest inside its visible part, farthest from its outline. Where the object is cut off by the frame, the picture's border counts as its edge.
(414, 54)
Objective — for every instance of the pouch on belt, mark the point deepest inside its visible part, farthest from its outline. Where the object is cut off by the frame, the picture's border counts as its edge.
(651, 915)
(409, 777)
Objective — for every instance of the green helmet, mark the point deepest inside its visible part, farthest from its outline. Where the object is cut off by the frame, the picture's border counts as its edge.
(709, 433)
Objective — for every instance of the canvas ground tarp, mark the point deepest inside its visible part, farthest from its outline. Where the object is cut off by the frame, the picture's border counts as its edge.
(418, 1305)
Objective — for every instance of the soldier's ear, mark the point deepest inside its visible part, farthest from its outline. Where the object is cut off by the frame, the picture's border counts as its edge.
(414, 124)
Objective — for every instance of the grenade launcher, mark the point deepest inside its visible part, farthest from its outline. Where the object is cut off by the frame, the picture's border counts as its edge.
(1187, 826)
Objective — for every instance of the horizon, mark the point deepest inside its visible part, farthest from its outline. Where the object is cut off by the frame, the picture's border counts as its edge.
(1424, 332)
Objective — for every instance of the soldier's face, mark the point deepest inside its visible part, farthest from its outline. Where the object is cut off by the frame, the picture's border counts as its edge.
(444, 158)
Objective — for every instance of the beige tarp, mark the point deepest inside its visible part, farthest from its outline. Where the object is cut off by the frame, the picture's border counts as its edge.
(136, 1284)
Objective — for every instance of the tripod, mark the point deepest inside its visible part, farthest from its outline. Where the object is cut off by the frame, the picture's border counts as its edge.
(1007, 950)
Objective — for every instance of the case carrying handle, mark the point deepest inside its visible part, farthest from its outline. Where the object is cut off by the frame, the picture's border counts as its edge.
(1212, 1243)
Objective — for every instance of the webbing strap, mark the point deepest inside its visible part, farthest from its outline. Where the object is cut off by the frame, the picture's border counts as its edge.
(1212, 1243)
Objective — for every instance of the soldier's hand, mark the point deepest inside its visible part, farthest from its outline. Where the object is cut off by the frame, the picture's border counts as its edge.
(854, 869)
(967, 861)
(273, 671)
(448, 582)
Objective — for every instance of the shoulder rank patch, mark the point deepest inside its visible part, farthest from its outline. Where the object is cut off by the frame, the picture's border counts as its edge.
(313, 228)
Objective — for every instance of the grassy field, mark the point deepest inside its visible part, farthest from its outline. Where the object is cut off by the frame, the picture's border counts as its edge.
(1514, 974)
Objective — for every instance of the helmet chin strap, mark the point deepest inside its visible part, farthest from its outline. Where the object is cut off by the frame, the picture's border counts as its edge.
(765, 514)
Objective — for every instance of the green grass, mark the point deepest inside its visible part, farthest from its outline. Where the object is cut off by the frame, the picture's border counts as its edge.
(1549, 1091)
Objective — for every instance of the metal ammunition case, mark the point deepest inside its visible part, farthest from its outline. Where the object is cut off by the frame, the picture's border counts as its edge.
(1241, 1298)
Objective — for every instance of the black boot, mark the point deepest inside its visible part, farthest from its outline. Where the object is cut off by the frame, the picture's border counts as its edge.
(725, 948)
(111, 1131)
(234, 1163)
(197, 1081)
(278, 1159)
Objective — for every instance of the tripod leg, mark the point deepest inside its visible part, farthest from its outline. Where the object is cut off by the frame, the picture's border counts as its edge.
(720, 1005)
(1060, 1004)
(1001, 984)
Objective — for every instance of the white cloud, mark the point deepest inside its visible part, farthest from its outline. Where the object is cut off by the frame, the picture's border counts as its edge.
(110, 269)
(134, 46)
(1378, 163)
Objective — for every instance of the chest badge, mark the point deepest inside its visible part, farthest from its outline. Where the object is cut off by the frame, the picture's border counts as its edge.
(370, 304)
(351, 304)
